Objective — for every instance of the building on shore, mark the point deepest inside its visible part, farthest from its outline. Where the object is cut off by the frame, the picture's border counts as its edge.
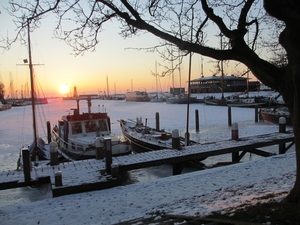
(213, 84)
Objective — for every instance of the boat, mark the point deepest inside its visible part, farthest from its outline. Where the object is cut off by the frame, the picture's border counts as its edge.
(4, 106)
(144, 138)
(157, 98)
(249, 102)
(40, 148)
(137, 96)
(215, 101)
(76, 134)
(272, 115)
(181, 99)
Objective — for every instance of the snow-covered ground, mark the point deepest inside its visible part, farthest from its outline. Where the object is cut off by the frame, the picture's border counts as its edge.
(196, 193)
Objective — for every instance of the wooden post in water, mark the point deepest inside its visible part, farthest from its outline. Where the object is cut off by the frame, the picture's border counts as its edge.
(229, 116)
(282, 129)
(26, 165)
(175, 139)
(48, 132)
(256, 114)
(197, 120)
(157, 121)
(235, 136)
(108, 154)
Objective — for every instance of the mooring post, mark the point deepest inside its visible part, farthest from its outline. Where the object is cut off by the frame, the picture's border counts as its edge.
(115, 170)
(197, 120)
(235, 132)
(53, 153)
(99, 148)
(157, 120)
(175, 139)
(282, 129)
(48, 132)
(58, 178)
(235, 136)
(108, 154)
(256, 114)
(26, 165)
(229, 116)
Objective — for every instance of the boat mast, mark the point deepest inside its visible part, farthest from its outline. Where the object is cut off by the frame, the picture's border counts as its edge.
(156, 78)
(36, 148)
(107, 86)
(173, 92)
(179, 70)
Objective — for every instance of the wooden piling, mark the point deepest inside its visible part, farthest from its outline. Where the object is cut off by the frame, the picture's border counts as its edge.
(53, 153)
(99, 148)
(157, 120)
(108, 154)
(235, 136)
(229, 116)
(235, 132)
(175, 139)
(256, 114)
(58, 178)
(282, 129)
(115, 170)
(26, 165)
(48, 132)
(197, 120)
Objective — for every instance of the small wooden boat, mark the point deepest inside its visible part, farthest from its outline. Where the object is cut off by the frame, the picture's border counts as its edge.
(272, 115)
(76, 134)
(144, 138)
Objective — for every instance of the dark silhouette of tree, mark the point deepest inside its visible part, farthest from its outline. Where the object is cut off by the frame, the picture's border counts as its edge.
(249, 29)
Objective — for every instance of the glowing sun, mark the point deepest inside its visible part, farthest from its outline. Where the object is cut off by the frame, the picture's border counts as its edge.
(64, 89)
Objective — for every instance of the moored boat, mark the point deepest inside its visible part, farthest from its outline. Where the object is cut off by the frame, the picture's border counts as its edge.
(76, 134)
(272, 115)
(137, 96)
(181, 99)
(144, 138)
(215, 101)
(246, 102)
(4, 106)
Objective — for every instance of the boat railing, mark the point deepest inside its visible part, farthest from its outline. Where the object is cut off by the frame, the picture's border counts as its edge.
(63, 144)
(148, 138)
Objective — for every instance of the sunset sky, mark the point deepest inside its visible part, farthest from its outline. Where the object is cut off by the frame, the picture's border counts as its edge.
(123, 68)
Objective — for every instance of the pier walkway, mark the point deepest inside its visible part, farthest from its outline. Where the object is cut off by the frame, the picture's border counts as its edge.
(88, 175)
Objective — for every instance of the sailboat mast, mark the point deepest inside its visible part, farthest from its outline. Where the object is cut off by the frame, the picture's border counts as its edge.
(156, 78)
(32, 94)
(172, 72)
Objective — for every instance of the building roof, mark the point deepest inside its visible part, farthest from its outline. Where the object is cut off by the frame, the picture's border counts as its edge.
(217, 78)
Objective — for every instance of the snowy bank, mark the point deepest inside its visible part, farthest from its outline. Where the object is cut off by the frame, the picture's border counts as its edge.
(195, 193)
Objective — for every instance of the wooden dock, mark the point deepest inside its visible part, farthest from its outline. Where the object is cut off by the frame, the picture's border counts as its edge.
(88, 175)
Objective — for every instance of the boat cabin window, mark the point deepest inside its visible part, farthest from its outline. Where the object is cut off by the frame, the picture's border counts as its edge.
(76, 128)
(102, 125)
(90, 126)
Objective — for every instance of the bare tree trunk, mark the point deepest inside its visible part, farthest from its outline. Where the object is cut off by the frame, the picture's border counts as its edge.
(294, 107)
